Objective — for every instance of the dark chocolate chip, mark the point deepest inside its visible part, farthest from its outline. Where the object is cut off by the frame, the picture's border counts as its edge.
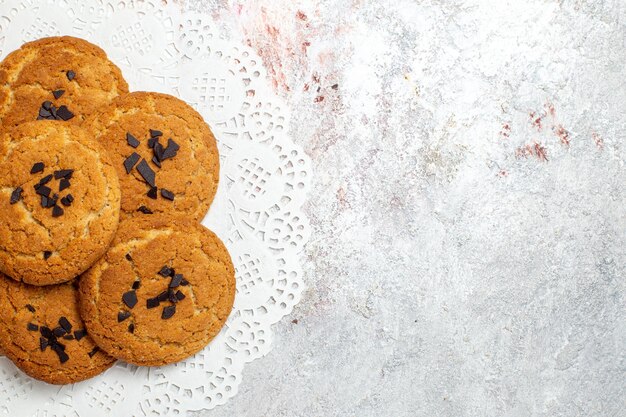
(47, 254)
(94, 351)
(152, 141)
(43, 343)
(43, 113)
(171, 150)
(158, 151)
(335, 86)
(131, 161)
(48, 202)
(180, 295)
(165, 271)
(168, 312)
(68, 337)
(63, 184)
(131, 140)
(30, 308)
(57, 211)
(63, 173)
(46, 332)
(58, 331)
(146, 172)
(155, 133)
(129, 258)
(136, 285)
(70, 75)
(79, 334)
(164, 296)
(184, 282)
(63, 357)
(122, 315)
(156, 162)
(43, 190)
(67, 200)
(58, 346)
(45, 180)
(47, 105)
(152, 193)
(176, 280)
(167, 194)
(65, 323)
(64, 113)
(171, 295)
(152, 302)
(131, 328)
(32, 327)
(130, 299)
(38, 167)
(144, 210)
(16, 195)
(58, 93)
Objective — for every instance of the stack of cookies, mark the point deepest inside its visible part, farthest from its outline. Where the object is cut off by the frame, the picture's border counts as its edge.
(102, 255)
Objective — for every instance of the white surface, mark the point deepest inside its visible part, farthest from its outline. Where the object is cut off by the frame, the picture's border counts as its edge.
(264, 179)
(448, 276)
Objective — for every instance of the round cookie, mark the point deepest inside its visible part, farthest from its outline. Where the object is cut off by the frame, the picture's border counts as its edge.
(161, 293)
(73, 76)
(59, 202)
(165, 154)
(42, 333)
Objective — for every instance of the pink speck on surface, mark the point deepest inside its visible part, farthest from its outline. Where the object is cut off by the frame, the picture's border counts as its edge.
(282, 36)
(597, 139)
(562, 134)
(550, 109)
(341, 198)
(536, 120)
(505, 132)
(535, 149)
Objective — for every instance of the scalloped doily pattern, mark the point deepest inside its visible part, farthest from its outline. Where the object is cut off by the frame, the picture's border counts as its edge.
(264, 181)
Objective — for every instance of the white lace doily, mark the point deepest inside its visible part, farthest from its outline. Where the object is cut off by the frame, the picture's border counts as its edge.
(264, 179)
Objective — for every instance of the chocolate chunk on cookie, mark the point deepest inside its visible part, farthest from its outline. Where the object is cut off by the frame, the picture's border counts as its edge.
(158, 142)
(58, 78)
(42, 333)
(185, 293)
(67, 211)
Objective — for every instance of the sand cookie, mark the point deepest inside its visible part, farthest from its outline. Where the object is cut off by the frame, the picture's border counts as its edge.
(60, 78)
(165, 154)
(161, 293)
(43, 334)
(59, 202)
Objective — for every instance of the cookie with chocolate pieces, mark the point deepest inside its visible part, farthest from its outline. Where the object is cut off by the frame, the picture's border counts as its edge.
(36, 325)
(170, 321)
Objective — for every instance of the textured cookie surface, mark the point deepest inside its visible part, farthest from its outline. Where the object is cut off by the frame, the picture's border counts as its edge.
(42, 333)
(161, 293)
(164, 152)
(63, 71)
(59, 202)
